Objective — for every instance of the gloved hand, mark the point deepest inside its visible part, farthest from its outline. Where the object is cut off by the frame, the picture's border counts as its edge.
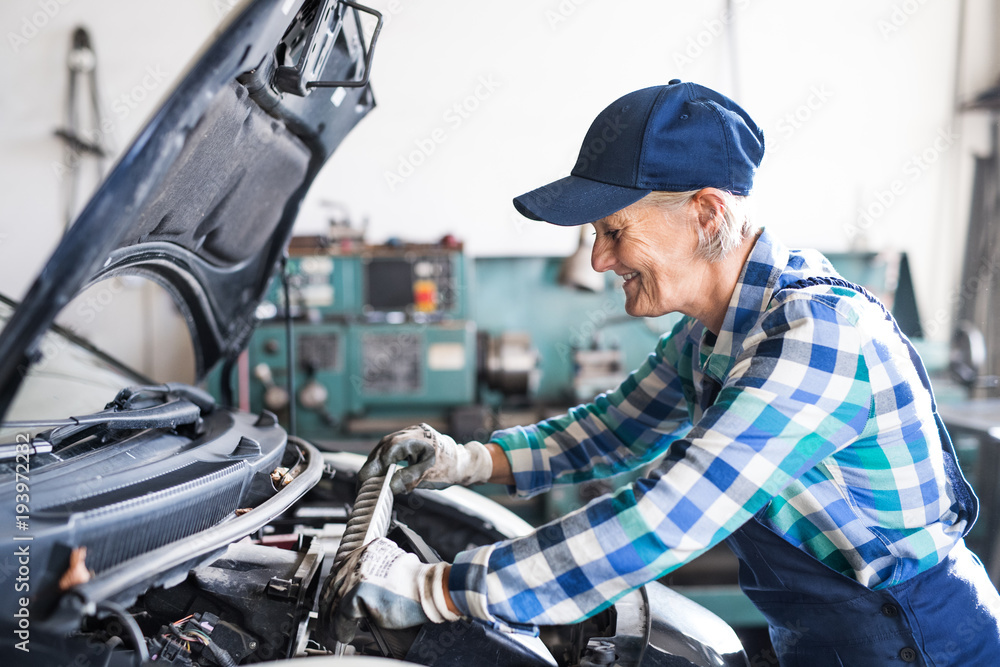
(435, 460)
(390, 587)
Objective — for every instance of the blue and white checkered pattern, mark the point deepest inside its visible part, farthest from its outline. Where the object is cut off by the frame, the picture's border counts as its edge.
(806, 403)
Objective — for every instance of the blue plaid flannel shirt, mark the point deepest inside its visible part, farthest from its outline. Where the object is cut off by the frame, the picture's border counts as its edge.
(806, 403)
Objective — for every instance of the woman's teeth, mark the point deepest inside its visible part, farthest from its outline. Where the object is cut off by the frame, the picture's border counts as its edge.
(629, 276)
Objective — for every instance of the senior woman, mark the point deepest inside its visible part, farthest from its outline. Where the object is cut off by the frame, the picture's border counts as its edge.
(795, 421)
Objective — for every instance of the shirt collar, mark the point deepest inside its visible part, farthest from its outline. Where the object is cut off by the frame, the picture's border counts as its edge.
(756, 284)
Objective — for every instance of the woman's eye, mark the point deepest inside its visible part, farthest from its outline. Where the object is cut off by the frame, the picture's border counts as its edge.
(612, 233)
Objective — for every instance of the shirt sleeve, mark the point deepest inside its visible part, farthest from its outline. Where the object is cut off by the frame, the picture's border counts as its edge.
(620, 430)
(797, 393)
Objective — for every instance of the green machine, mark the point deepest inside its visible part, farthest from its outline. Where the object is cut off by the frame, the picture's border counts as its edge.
(380, 337)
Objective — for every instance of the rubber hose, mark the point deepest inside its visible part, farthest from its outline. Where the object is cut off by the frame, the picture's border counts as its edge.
(365, 514)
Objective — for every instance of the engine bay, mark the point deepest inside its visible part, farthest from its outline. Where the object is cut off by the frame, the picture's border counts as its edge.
(258, 599)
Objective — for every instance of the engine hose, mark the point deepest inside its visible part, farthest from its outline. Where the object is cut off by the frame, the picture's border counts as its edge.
(369, 518)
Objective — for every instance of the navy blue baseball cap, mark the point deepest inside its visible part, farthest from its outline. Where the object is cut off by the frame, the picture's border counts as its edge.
(676, 138)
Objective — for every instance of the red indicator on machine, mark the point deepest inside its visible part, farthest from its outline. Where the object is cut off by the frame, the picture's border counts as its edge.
(425, 296)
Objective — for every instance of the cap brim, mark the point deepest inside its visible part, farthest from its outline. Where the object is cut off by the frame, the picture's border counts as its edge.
(575, 200)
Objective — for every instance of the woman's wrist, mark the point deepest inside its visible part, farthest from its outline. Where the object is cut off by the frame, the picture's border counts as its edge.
(447, 592)
(502, 473)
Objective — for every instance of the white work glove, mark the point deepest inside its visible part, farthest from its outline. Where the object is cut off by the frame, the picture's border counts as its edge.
(390, 587)
(435, 460)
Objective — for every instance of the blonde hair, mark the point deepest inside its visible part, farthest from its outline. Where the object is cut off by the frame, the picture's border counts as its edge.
(734, 229)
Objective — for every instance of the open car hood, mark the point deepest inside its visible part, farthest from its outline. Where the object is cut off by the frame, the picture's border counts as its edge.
(204, 200)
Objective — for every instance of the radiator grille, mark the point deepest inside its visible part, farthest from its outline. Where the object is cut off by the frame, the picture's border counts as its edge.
(136, 519)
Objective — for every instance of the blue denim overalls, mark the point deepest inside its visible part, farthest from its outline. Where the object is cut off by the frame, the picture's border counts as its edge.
(948, 615)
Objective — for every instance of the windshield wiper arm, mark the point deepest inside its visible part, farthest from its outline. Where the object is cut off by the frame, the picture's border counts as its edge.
(188, 406)
(166, 415)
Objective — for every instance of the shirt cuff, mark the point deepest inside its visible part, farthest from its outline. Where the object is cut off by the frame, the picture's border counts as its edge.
(467, 585)
(528, 460)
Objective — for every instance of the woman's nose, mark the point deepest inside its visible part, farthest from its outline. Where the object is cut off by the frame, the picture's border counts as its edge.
(601, 257)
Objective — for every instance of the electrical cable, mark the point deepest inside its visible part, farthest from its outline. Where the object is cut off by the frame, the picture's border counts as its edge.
(197, 634)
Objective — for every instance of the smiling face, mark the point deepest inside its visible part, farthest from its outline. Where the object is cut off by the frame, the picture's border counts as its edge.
(654, 247)
(655, 252)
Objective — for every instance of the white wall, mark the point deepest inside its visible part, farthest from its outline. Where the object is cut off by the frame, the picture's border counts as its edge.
(848, 93)
(141, 48)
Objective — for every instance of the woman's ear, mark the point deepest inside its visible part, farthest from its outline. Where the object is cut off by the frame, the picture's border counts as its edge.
(710, 206)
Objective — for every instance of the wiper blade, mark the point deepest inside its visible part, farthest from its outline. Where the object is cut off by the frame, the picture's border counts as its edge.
(129, 396)
(168, 415)
(124, 413)
(129, 411)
